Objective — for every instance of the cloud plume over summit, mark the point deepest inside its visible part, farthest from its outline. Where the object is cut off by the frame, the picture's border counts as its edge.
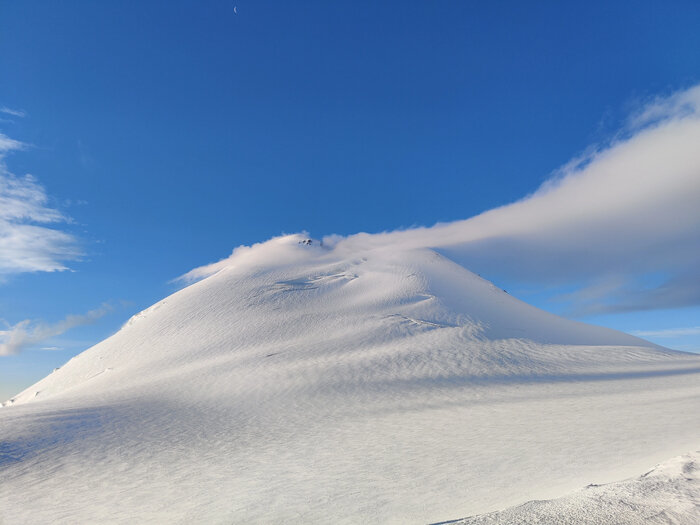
(610, 222)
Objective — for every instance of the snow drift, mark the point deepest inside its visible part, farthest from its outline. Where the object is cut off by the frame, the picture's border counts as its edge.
(302, 384)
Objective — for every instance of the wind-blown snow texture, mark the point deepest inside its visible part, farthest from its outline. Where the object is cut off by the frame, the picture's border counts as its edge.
(667, 494)
(305, 384)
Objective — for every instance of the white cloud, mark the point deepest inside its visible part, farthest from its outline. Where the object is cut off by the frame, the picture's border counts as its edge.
(605, 221)
(26, 334)
(29, 239)
(620, 213)
(7, 144)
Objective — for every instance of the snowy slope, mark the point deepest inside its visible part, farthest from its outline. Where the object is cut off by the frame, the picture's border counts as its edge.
(667, 494)
(305, 384)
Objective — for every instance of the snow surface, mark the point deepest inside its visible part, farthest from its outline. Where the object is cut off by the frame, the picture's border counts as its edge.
(668, 494)
(303, 384)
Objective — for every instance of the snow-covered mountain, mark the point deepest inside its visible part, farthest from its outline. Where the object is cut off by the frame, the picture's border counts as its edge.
(300, 384)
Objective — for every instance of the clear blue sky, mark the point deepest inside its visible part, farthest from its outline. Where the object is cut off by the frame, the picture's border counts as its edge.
(171, 132)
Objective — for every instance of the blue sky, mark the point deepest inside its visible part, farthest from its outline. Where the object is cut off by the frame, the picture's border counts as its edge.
(160, 135)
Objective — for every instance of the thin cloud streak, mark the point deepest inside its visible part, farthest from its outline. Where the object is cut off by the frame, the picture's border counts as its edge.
(668, 332)
(26, 334)
(13, 112)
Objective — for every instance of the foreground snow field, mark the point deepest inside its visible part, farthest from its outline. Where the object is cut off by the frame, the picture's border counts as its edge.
(667, 494)
(300, 384)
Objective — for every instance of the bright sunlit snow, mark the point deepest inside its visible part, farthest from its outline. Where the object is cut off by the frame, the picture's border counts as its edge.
(668, 493)
(309, 384)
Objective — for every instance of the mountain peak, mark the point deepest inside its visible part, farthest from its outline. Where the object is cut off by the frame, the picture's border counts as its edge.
(306, 382)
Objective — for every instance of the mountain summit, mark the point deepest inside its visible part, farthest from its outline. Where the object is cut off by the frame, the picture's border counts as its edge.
(303, 383)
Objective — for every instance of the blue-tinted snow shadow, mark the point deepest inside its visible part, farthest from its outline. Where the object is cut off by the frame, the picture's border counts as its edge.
(466, 380)
(48, 430)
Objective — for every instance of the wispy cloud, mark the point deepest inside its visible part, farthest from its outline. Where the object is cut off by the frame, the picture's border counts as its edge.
(29, 238)
(13, 112)
(605, 221)
(26, 334)
(7, 144)
(669, 332)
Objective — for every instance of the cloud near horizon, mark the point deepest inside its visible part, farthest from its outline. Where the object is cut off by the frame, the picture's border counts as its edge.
(26, 334)
(623, 215)
(29, 238)
(668, 332)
